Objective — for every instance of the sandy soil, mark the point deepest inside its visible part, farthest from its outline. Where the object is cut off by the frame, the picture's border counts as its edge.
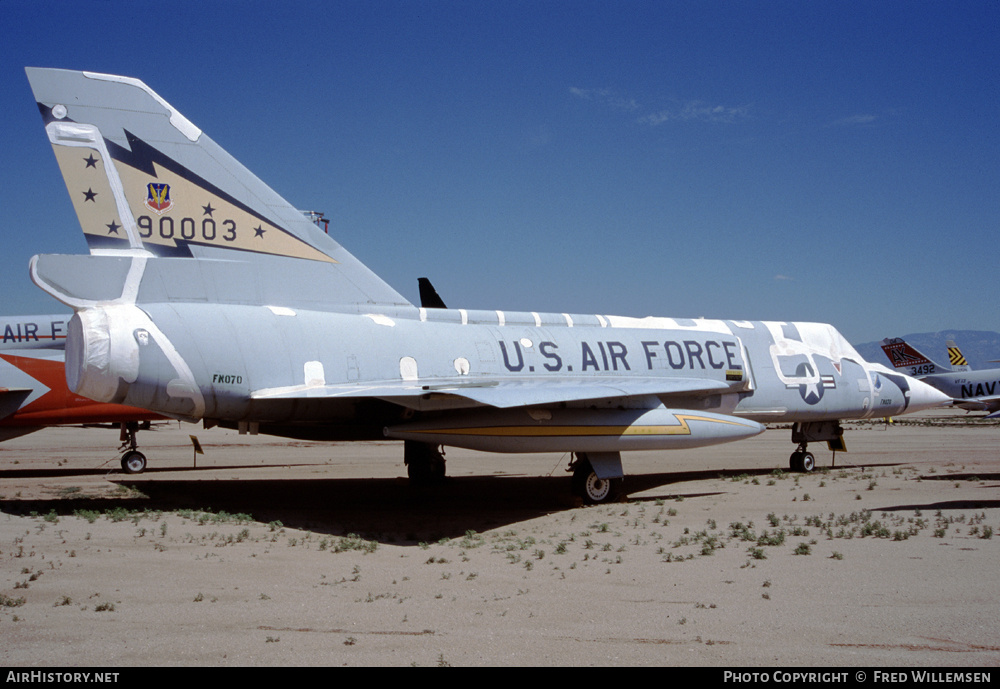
(293, 553)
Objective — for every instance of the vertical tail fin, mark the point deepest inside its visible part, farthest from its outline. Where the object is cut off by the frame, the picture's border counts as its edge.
(429, 297)
(956, 358)
(144, 180)
(904, 356)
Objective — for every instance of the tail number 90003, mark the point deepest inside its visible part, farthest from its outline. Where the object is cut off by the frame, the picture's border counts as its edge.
(187, 229)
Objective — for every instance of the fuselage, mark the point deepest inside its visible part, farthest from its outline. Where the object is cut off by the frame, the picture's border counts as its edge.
(979, 389)
(237, 364)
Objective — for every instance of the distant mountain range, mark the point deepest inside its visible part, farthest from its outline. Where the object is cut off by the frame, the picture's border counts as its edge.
(978, 346)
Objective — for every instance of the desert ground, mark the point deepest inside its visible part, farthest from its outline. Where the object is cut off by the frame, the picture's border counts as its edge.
(266, 552)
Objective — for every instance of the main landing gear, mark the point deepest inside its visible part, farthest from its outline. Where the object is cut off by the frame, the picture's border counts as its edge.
(424, 462)
(597, 477)
(814, 431)
(133, 461)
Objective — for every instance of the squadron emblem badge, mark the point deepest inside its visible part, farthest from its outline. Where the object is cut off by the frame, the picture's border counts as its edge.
(158, 198)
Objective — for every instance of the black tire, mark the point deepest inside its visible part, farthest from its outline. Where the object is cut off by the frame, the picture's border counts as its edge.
(795, 461)
(133, 462)
(802, 462)
(425, 465)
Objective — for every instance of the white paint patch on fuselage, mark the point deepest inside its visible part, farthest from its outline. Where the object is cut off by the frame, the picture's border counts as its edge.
(818, 339)
(660, 323)
(381, 320)
(281, 311)
(313, 373)
(408, 369)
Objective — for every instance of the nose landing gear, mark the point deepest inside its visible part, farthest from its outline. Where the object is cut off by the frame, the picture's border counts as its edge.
(133, 461)
(814, 431)
(801, 460)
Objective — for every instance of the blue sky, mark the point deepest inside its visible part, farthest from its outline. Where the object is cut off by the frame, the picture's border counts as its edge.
(829, 161)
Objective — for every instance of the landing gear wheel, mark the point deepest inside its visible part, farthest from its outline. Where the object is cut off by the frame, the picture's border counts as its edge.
(802, 461)
(133, 462)
(425, 464)
(594, 490)
(425, 473)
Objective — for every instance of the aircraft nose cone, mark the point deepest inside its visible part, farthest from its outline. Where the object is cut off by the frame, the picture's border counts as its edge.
(924, 396)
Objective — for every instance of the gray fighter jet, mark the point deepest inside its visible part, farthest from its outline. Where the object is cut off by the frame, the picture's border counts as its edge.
(972, 390)
(206, 296)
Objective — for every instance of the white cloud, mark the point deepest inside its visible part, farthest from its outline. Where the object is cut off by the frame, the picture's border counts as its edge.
(693, 110)
(606, 97)
(855, 120)
(586, 94)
